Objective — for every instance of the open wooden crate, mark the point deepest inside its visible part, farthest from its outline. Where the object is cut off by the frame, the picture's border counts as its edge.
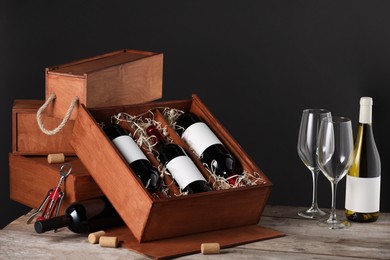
(152, 219)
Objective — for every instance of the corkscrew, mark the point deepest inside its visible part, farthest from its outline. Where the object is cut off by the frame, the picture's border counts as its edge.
(52, 201)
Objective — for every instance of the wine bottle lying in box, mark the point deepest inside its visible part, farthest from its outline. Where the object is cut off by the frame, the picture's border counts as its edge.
(137, 160)
(207, 146)
(174, 158)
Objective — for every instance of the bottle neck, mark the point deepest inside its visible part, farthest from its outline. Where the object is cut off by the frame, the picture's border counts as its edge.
(153, 131)
(52, 223)
(113, 131)
(166, 151)
(186, 120)
(365, 115)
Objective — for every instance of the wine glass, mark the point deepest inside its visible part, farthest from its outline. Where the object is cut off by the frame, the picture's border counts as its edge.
(307, 144)
(335, 157)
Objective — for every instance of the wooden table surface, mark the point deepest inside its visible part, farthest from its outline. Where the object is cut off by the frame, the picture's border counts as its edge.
(303, 240)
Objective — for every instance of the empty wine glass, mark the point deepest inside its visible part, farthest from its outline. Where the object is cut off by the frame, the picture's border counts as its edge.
(307, 144)
(335, 157)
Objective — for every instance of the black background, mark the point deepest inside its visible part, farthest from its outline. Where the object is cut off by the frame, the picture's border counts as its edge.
(255, 64)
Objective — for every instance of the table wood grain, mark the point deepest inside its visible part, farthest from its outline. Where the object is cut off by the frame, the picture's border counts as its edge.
(303, 240)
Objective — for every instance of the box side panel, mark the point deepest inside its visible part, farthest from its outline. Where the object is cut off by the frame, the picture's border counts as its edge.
(29, 139)
(206, 212)
(66, 87)
(134, 82)
(27, 106)
(32, 177)
(111, 173)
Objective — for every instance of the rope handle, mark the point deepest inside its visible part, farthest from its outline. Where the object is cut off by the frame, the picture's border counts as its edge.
(64, 121)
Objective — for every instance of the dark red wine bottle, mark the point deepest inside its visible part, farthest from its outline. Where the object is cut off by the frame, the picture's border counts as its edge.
(206, 145)
(134, 156)
(176, 161)
(83, 217)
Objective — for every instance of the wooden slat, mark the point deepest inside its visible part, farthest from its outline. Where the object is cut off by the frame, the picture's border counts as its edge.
(111, 172)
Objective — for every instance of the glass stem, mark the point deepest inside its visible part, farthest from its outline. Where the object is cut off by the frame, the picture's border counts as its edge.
(332, 216)
(314, 204)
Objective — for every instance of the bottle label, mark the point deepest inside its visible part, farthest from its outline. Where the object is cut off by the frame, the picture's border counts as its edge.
(362, 194)
(184, 171)
(128, 148)
(199, 137)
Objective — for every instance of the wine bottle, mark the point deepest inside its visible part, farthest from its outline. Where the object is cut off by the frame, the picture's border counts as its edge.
(362, 196)
(206, 145)
(134, 156)
(176, 161)
(83, 217)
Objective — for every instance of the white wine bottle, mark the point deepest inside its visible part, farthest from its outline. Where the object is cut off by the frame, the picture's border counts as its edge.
(362, 197)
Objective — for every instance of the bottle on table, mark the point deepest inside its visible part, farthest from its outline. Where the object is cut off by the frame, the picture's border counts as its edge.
(83, 217)
(362, 196)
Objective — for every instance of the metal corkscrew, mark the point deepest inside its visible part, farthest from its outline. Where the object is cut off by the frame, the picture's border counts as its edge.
(52, 201)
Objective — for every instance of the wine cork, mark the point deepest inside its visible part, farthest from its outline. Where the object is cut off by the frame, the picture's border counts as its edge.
(106, 241)
(93, 238)
(56, 158)
(209, 248)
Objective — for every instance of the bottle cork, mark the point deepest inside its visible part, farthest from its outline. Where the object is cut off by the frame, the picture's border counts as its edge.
(209, 248)
(93, 238)
(106, 241)
(56, 158)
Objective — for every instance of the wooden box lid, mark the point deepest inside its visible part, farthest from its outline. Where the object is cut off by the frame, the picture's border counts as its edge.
(191, 244)
(116, 78)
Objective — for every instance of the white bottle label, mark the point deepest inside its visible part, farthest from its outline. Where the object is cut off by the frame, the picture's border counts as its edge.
(362, 194)
(128, 148)
(199, 137)
(184, 171)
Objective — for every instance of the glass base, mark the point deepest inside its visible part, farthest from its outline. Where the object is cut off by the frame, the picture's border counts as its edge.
(312, 213)
(334, 223)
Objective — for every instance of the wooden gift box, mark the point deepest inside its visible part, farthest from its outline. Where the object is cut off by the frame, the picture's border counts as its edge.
(31, 177)
(116, 78)
(230, 215)
(28, 139)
